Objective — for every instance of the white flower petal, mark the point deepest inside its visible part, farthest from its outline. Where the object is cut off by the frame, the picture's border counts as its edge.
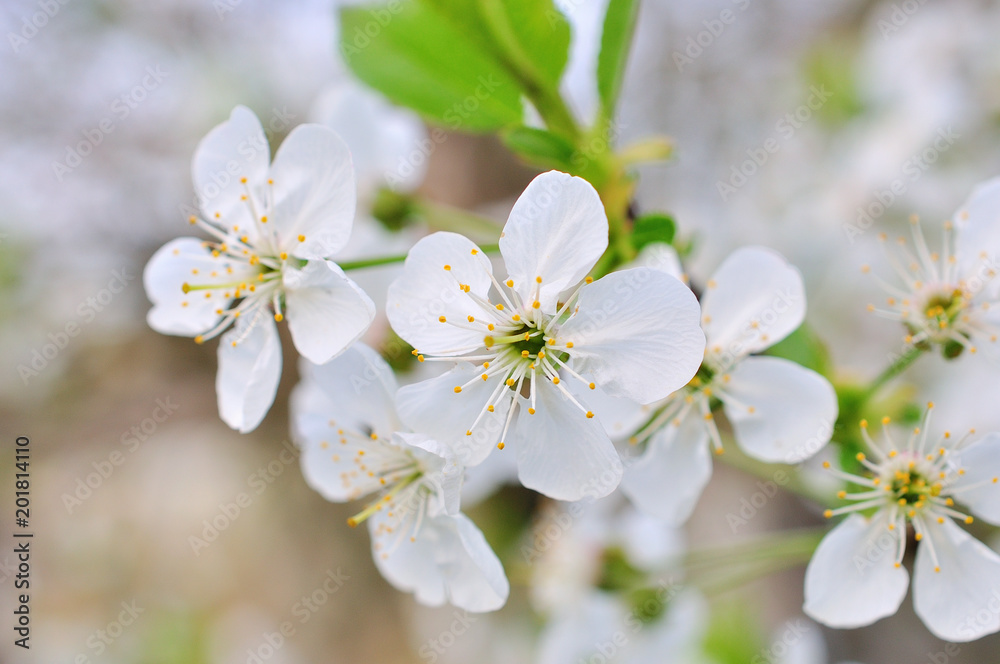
(667, 480)
(978, 232)
(327, 312)
(233, 150)
(662, 257)
(557, 230)
(574, 634)
(754, 300)
(249, 372)
(621, 417)
(448, 472)
(314, 194)
(450, 561)
(962, 601)
(794, 409)
(386, 141)
(561, 452)
(180, 261)
(637, 333)
(852, 579)
(328, 457)
(426, 291)
(981, 463)
(432, 407)
(358, 388)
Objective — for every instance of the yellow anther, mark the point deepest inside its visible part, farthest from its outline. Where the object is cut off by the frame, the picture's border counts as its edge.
(510, 283)
(969, 519)
(447, 267)
(536, 304)
(499, 307)
(569, 344)
(828, 513)
(458, 388)
(555, 380)
(278, 318)
(531, 411)
(589, 280)
(199, 339)
(263, 219)
(516, 317)
(472, 319)
(302, 238)
(592, 386)
(442, 319)
(283, 255)
(841, 494)
(538, 280)
(864, 424)
(589, 414)
(886, 420)
(500, 445)
(490, 408)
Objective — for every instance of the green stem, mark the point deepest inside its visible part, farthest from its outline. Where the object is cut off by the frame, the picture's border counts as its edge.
(759, 548)
(399, 258)
(890, 372)
(442, 217)
(789, 478)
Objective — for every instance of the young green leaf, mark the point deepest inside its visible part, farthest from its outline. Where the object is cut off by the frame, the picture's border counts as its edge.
(652, 228)
(616, 41)
(419, 57)
(540, 147)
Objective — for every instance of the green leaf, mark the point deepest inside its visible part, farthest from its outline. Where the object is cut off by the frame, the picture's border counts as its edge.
(419, 57)
(652, 228)
(540, 147)
(806, 348)
(734, 634)
(532, 35)
(616, 40)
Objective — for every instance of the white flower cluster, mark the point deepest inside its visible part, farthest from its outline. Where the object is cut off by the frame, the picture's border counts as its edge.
(588, 384)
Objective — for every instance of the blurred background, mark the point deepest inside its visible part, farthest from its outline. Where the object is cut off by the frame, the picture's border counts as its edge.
(103, 103)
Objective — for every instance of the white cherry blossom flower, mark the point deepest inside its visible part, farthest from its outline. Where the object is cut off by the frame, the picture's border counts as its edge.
(780, 411)
(529, 347)
(272, 227)
(949, 297)
(353, 446)
(603, 627)
(856, 575)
